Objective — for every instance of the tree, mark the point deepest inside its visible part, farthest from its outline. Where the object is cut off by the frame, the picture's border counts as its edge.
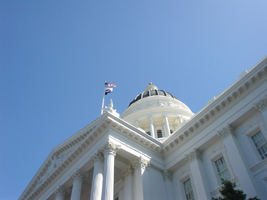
(229, 192)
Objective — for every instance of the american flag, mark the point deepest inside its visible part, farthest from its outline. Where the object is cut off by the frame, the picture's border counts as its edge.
(110, 84)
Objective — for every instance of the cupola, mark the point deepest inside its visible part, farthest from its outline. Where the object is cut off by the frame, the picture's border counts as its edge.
(157, 112)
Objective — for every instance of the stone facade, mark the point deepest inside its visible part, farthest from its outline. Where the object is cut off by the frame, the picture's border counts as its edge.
(160, 150)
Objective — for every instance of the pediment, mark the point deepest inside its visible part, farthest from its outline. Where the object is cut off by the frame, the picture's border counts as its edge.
(66, 152)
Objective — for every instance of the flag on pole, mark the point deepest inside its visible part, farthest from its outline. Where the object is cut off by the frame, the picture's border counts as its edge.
(110, 84)
(108, 90)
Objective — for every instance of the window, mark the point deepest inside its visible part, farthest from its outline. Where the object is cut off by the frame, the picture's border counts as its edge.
(188, 190)
(261, 144)
(222, 169)
(159, 133)
(171, 131)
(148, 132)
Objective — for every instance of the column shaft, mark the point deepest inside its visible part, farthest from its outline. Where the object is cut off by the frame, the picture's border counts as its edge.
(151, 127)
(97, 182)
(199, 179)
(128, 183)
(110, 150)
(76, 189)
(77, 185)
(238, 166)
(167, 126)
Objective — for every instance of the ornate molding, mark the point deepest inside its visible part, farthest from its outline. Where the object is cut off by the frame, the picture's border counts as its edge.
(61, 191)
(226, 131)
(78, 175)
(167, 176)
(141, 162)
(193, 155)
(261, 105)
(110, 148)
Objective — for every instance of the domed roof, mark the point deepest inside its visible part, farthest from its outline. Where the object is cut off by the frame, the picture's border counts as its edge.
(151, 90)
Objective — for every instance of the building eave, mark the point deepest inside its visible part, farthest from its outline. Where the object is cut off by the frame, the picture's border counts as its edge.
(226, 98)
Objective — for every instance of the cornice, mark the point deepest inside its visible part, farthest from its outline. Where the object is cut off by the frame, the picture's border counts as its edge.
(230, 96)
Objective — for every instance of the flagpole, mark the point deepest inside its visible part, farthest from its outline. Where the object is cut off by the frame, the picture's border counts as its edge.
(102, 108)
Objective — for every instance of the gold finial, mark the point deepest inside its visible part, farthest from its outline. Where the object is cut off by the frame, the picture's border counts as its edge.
(150, 83)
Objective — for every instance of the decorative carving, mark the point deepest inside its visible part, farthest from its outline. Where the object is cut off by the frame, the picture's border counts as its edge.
(78, 175)
(193, 155)
(167, 176)
(226, 131)
(61, 191)
(98, 156)
(141, 162)
(127, 171)
(262, 104)
(110, 148)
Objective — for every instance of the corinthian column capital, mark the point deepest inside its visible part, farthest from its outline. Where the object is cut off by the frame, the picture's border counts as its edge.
(127, 171)
(167, 176)
(61, 192)
(110, 148)
(78, 175)
(226, 131)
(261, 105)
(98, 157)
(141, 162)
(193, 155)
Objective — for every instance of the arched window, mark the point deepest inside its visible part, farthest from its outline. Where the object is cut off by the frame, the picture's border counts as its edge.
(148, 132)
(159, 133)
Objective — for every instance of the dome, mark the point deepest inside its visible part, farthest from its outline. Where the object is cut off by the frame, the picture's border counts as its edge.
(151, 90)
(156, 111)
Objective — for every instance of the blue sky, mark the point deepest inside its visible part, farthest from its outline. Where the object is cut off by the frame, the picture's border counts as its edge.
(56, 55)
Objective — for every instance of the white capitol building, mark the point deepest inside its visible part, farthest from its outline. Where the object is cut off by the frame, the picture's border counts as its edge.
(159, 150)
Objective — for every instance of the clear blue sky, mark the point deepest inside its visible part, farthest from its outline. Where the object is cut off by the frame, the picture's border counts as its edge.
(56, 55)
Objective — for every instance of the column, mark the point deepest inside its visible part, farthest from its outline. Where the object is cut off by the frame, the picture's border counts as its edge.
(128, 183)
(167, 126)
(180, 120)
(140, 166)
(96, 190)
(237, 163)
(262, 106)
(78, 178)
(136, 124)
(198, 176)
(60, 193)
(167, 177)
(151, 127)
(110, 151)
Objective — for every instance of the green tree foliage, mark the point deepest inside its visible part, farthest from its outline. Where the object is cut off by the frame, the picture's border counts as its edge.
(229, 192)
